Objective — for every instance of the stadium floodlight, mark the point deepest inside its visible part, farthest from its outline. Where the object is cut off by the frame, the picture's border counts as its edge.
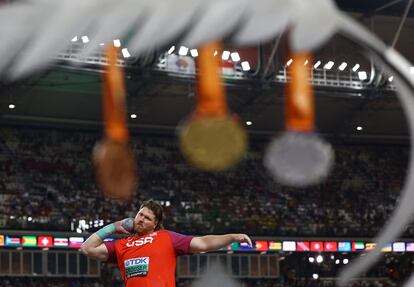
(117, 43)
(194, 53)
(337, 261)
(225, 56)
(133, 116)
(342, 66)
(12, 106)
(362, 75)
(319, 259)
(245, 66)
(345, 261)
(356, 67)
(183, 51)
(317, 64)
(311, 259)
(315, 276)
(85, 39)
(125, 53)
(359, 128)
(249, 123)
(235, 56)
(329, 65)
(171, 50)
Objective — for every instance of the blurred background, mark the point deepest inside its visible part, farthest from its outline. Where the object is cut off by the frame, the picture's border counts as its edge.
(50, 121)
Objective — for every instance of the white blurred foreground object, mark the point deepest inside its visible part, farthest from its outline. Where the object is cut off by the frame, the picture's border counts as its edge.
(215, 277)
(32, 33)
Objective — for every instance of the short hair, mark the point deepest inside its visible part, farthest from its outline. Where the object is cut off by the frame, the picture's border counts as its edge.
(156, 208)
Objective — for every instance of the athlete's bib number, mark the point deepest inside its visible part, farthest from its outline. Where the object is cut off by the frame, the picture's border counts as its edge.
(136, 267)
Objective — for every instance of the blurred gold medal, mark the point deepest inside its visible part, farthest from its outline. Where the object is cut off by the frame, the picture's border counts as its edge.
(212, 139)
(213, 144)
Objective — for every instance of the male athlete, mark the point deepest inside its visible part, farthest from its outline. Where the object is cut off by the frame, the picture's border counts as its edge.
(147, 257)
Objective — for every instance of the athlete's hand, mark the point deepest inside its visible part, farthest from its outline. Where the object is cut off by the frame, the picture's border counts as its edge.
(125, 226)
(242, 238)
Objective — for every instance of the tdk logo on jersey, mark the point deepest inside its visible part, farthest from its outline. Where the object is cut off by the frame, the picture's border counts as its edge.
(136, 261)
(140, 242)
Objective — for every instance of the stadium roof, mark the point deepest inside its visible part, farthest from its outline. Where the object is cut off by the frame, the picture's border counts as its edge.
(67, 96)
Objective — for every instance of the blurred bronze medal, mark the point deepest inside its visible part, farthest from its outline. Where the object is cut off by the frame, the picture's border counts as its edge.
(114, 160)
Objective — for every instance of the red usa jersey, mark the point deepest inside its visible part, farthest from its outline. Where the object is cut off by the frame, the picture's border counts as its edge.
(149, 260)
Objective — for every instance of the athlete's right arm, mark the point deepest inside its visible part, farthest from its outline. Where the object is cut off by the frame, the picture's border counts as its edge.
(94, 247)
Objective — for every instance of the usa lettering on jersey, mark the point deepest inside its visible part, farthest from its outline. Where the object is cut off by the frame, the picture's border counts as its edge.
(140, 242)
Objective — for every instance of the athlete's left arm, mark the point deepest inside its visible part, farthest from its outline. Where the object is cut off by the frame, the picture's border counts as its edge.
(214, 242)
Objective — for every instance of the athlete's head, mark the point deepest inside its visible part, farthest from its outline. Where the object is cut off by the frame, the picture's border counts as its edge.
(149, 217)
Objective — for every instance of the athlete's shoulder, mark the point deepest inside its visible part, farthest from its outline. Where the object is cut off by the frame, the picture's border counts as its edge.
(180, 242)
(173, 233)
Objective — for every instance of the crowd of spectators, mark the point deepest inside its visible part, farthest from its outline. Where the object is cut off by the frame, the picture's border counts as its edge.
(47, 182)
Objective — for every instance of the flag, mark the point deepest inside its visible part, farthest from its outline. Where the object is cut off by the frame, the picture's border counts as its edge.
(245, 246)
(276, 246)
(1, 240)
(60, 242)
(387, 248)
(370, 246)
(316, 246)
(171, 59)
(227, 68)
(330, 246)
(75, 242)
(45, 241)
(399, 247)
(12, 241)
(233, 246)
(29, 241)
(261, 246)
(344, 246)
(409, 247)
(181, 64)
(289, 246)
(358, 246)
(302, 246)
